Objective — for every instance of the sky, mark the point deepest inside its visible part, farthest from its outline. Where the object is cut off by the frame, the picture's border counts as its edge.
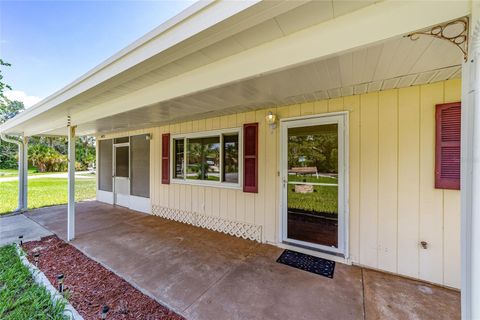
(52, 43)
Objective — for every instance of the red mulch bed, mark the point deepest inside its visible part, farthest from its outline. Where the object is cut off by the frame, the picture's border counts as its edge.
(90, 285)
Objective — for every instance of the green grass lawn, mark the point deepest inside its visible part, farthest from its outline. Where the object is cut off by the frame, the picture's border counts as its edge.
(44, 192)
(324, 199)
(20, 296)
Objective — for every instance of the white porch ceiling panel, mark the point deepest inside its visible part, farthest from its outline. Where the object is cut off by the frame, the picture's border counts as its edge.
(397, 63)
(386, 64)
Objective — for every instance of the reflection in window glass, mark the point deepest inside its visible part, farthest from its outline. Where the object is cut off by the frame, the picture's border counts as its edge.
(178, 149)
(230, 158)
(203, 162)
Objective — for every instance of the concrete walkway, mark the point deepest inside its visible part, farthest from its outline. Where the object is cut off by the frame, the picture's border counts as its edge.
(203, 274)
(13, 226)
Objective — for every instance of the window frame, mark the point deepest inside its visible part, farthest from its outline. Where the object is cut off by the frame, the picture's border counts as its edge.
(207, 134)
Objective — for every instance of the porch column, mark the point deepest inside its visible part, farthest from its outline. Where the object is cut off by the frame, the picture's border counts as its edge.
(71, 184)
(25, 174)
(21, 177)
(470, 174)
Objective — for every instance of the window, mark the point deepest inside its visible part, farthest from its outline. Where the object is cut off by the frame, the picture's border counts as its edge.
(178, 150)
(447, 146)
(230, 158)
(210, 158)
(203, 159)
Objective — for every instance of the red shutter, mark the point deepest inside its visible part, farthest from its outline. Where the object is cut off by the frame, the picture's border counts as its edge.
(447, 146)
(250, 157)
(166, 158)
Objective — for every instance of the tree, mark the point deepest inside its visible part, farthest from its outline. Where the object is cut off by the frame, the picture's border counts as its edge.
(9, 109)
(47, 153)
(8, 151)
(3, 85)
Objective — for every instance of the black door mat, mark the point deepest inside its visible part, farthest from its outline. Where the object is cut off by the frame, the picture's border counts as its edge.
(308, 263)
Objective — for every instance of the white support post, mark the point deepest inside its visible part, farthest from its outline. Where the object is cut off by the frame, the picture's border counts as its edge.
(71, 184)
(25, 174)
(21, 177)
(470, 175)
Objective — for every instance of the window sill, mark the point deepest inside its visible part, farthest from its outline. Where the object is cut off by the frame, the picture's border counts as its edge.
(213, 184)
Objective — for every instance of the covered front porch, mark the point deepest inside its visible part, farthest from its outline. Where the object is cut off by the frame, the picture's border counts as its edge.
(380, 69)
(203, 274)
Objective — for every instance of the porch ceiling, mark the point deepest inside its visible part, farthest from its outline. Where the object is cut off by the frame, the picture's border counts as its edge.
(397, 63)
(390, 61)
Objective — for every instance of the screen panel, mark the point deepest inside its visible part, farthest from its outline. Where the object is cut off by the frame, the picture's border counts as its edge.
(140, 166)
(105, 165)
(122, 168)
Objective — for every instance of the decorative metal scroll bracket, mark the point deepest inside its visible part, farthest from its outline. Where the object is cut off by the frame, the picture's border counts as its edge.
(455, 32)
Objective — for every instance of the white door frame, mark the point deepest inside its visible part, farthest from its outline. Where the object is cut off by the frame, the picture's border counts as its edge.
(114, 177)
(340, 118)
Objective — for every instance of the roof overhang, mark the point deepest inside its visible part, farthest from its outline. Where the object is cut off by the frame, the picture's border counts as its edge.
(192, 63)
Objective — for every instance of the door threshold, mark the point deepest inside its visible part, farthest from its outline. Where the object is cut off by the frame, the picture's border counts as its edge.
(314, 252)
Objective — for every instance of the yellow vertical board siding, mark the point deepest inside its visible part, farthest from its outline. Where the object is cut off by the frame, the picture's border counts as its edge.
(240, 206)
(202, 124)
(225, 210)
(387, 180)
(369, 179)
(208, 210)
(282, 112)
(294, 111)
(335, 105)
(259, 218)
(215, 202)
(271, 180)
(201, 196)
(352, 105)
(408, 180)
(306, 108)
(451, 207)
(249, 207)
(431, 199)
(322, 106)
(392, 202)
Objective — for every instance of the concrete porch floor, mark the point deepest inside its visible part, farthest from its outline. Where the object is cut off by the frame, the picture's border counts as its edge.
(203, 274)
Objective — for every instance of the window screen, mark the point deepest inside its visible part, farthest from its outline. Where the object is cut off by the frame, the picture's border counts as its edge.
(121, 162)
(140, 169)
(121, 140)
(105, 165)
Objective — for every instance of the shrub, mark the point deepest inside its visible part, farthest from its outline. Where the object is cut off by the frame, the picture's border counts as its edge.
(47, 159)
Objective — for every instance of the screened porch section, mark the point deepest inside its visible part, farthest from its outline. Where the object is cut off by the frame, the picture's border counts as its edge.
(124, 171)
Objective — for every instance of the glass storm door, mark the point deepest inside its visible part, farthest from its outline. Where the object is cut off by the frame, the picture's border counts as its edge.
(313, 183)
(121, 174)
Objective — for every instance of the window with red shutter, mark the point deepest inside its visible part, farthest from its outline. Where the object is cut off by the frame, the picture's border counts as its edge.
(250, 157)
(447, 146)
(166, 158)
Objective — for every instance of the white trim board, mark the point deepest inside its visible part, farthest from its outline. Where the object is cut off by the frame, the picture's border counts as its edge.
(105, 196)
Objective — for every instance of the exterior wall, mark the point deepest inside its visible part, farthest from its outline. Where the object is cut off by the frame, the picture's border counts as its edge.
(392, 201)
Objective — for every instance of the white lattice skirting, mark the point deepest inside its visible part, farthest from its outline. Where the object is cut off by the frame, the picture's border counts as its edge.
(233, 228)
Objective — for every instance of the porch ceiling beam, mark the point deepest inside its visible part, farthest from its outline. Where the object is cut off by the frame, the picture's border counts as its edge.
(367, 26)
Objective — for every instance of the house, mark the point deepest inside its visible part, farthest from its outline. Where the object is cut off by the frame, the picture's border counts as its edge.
(201, 120)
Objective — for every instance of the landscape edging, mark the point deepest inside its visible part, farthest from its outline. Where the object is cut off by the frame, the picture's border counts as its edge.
(40, 278)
